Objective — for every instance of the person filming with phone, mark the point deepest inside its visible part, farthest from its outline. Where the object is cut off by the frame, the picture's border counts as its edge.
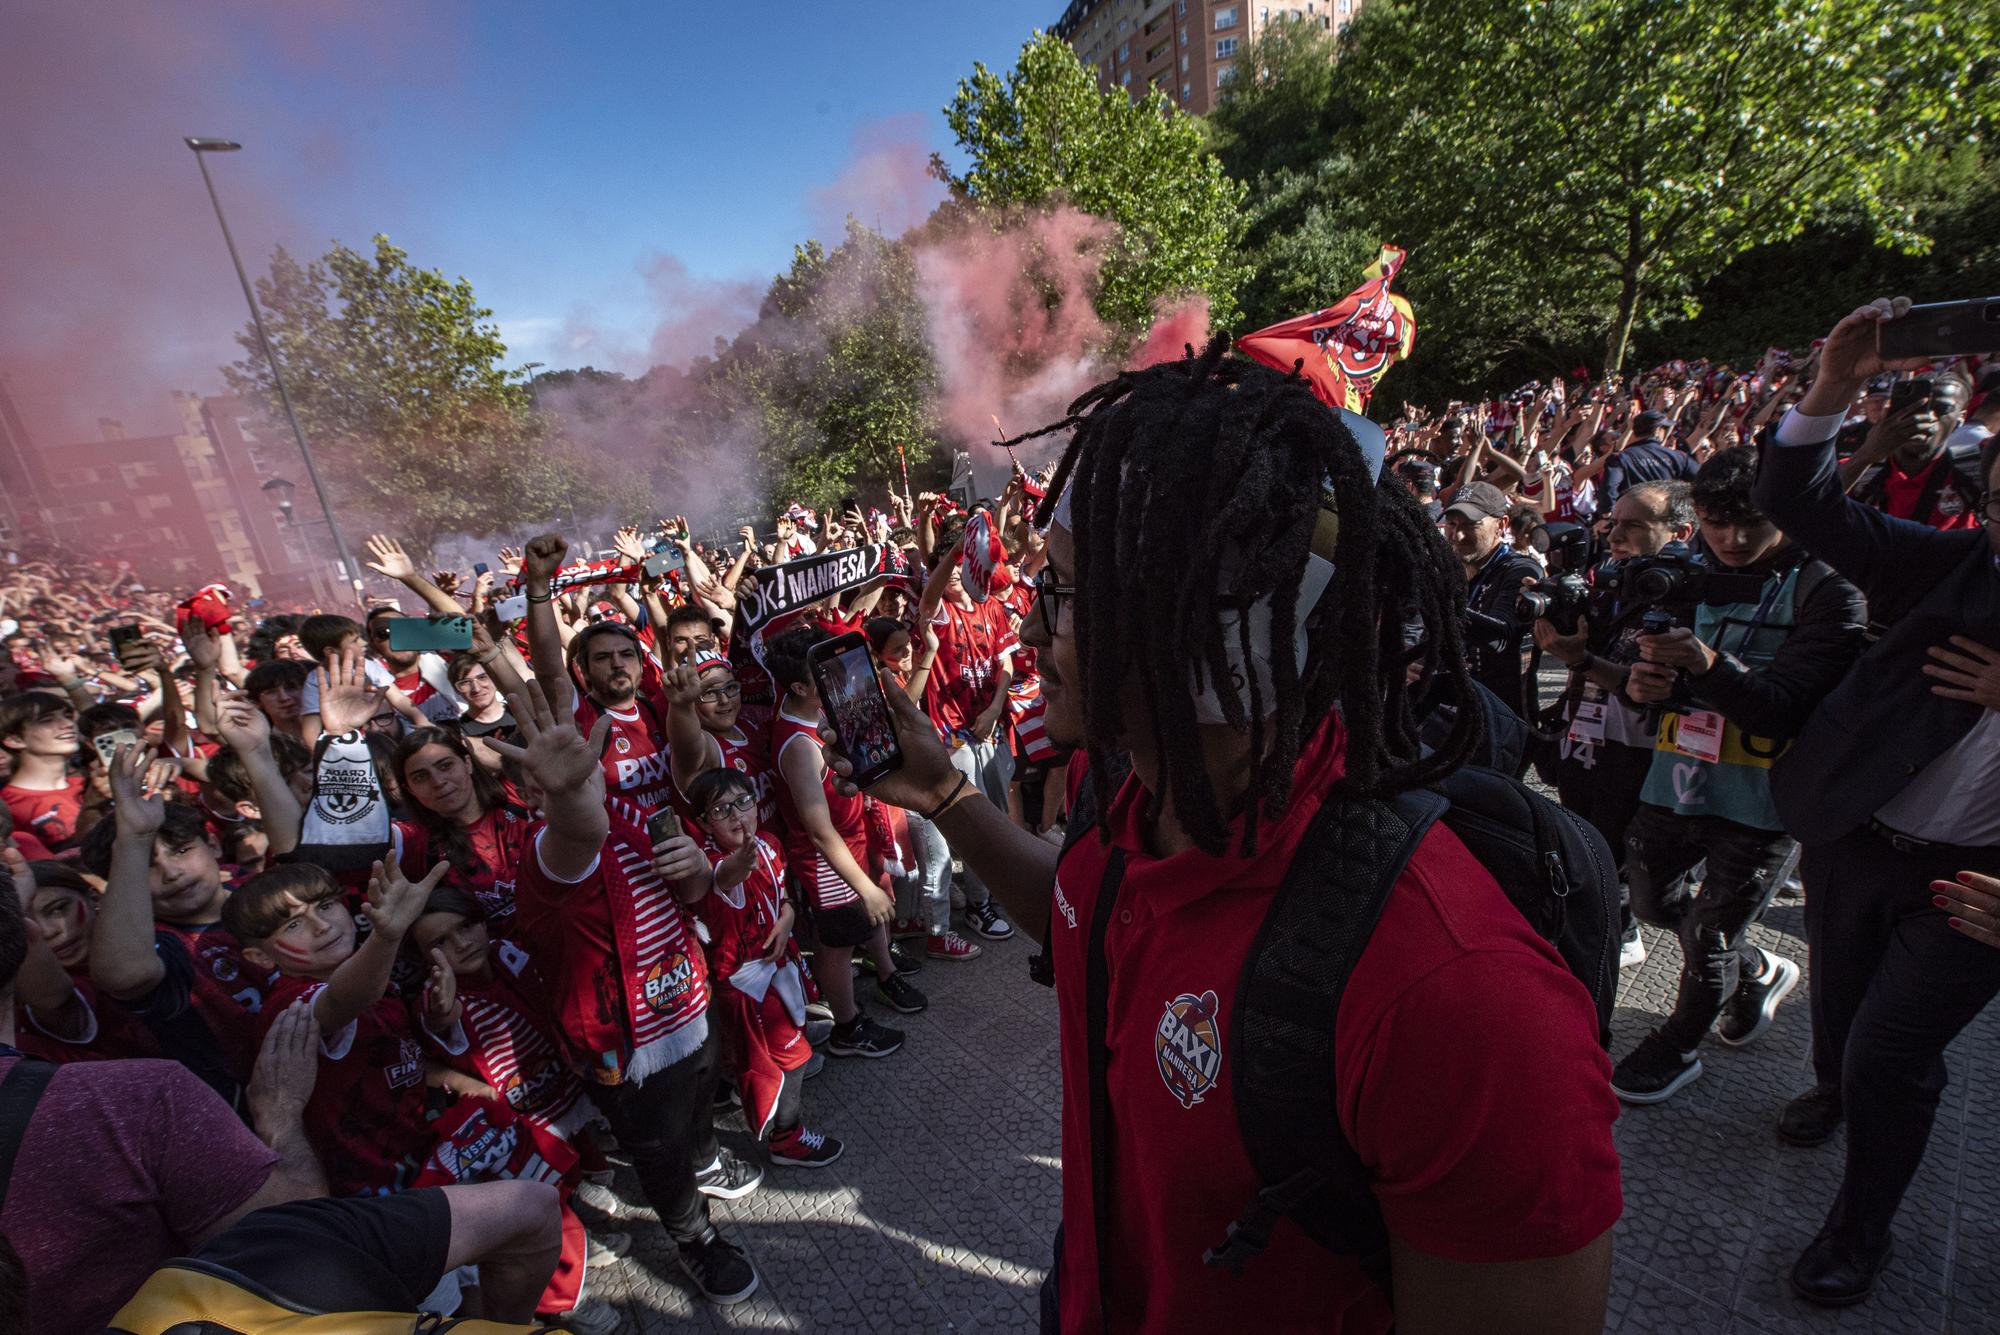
(1471, 1083)
(1893, 785)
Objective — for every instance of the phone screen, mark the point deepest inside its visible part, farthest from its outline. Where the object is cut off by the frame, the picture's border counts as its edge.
(120, 636)
(479, 568)
(436, 633)
(851, 695)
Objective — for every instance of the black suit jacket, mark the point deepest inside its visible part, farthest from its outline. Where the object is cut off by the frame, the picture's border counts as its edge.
(1881, 724)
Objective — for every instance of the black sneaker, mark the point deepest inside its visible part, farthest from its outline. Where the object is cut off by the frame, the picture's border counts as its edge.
(1812, 1117)
(1653, 1071)
(800, 1148)
(905, 961)
(719, 1269)
(726, 1097)
(986, 920)
(863, 1038)
(899, 995)
(728, 1177)
(1754, 1004)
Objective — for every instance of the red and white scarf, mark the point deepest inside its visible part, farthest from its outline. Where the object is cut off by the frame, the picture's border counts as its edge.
(511, 1051)
(659, 967)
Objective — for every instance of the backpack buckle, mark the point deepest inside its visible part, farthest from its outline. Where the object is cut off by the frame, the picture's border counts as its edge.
(1242, 1242)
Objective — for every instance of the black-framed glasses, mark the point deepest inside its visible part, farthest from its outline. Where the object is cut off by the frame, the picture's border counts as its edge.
(715, 695)
(742, 806)
(1048, 599)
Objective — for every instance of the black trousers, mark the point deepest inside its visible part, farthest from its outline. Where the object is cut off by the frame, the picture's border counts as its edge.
(1605, 793)
(667, 1125)
(1745, 868)
(1892, 985)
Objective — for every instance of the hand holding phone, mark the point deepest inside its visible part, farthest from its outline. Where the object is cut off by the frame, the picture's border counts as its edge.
(1941, 329)
(851, 695)
(444, 634)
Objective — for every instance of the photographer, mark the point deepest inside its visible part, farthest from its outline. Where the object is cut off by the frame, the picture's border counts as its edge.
(1607, 748)
(1476, 525)
(1891, 787)
(1773, 631)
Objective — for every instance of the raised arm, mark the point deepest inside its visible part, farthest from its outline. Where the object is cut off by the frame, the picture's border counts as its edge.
(394, 902)
(391, 560)
(245, 730)
(564, 763)
(539, 563)
(689, 747)
(123, 963)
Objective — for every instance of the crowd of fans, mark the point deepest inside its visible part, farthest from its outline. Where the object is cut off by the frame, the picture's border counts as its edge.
(365, 946)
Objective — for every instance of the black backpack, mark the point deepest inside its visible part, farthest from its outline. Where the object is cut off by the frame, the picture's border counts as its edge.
(1963, 474)
(1554, 867)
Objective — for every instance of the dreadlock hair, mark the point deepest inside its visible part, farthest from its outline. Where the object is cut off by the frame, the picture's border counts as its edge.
(1217, 464)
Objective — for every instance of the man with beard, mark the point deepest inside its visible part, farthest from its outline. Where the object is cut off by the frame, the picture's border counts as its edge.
(607, 661)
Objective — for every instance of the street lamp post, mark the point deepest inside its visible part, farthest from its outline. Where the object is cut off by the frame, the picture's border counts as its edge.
(201, 146)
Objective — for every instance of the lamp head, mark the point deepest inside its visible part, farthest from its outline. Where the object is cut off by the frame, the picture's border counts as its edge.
(203, 144)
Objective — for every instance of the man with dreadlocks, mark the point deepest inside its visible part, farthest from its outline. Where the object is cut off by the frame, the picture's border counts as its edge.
(1224, 608)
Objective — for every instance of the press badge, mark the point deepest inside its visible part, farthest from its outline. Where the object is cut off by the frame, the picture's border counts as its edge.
(1587, 728)
(1700, 735)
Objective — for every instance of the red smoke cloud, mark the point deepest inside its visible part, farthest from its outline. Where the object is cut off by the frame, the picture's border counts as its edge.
(1010, 318)
(1177, 325)
(886, 185)
(117, 285)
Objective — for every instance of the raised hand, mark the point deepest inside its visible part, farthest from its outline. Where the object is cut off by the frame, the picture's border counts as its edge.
(242, 726)
(394, 901)
(682, 683)
(924, 779)
(716, 594)
(347, 699)
(1849, 357)
(138, 807)
(560, 758)
(441, 1008)
(287, 1067)
(510, 560)
(389, 557)
(629, 545)
(544, 556)
(447, 582)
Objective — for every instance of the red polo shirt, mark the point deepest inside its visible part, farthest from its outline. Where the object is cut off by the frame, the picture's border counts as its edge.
(1469, 1079)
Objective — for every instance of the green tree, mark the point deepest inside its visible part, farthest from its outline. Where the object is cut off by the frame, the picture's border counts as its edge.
(1278, 128)
(397, 378)
(1044, 134)
(1600, 159)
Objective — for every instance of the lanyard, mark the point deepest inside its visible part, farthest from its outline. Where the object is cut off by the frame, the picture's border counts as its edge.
(1764, 609)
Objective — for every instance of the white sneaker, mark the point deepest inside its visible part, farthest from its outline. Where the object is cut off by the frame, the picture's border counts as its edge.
(1632, 951)
(605, 1248)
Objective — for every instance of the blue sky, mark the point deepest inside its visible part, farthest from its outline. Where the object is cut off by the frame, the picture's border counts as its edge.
(598, 170)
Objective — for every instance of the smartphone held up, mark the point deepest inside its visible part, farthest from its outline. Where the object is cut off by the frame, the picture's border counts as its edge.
(851, 694)
(1942, 329)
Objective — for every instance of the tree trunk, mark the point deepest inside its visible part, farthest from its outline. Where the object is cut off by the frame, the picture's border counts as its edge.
(1621, 327)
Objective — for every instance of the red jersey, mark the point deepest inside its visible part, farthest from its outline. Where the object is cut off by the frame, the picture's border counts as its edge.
(499, 839)
(1469, 1079)
(971, 641)
(1902, 493)
(230, 994)
(111, 1032)
(365, 1118)
(637, 763)
(740, 917)
(847, 812)
(50, 814)
(509, 1042)
(746, 749)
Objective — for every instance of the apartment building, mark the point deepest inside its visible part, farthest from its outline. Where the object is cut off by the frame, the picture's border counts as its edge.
(1185, 48)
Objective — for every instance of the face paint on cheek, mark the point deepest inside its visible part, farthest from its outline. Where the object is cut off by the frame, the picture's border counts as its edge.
(296, 954)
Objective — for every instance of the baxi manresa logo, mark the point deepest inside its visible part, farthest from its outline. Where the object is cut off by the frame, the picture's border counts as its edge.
(1188, 1046)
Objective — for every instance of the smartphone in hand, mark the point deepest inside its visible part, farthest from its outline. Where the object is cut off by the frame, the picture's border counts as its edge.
(1942, 329)
(443, 634)
(851, 694)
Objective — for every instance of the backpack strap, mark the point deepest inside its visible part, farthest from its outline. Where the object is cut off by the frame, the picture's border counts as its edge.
(1081, 820)
(1287, 1003)
(19, 1093)
(1097, 1016)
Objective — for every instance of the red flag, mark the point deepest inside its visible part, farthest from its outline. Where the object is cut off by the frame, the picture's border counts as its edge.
(1347, 346)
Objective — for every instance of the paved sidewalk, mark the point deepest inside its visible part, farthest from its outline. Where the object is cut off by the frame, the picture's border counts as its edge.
(938, 1217)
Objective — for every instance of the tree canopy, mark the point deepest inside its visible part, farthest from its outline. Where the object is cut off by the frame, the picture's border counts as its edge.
(398, 382)
(1045, 133)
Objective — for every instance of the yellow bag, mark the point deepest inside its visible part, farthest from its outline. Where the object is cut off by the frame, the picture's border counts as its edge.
(188, 1297)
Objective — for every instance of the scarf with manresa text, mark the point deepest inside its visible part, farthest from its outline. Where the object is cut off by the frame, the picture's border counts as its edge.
(775, 596)
(347, 824)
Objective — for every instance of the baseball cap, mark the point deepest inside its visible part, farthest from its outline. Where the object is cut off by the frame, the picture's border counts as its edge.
(1649, 424)
(1480, 500)
(1418, 472)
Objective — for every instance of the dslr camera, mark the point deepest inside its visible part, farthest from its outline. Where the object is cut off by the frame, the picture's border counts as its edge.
(1675, 580)
(1566, 594)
